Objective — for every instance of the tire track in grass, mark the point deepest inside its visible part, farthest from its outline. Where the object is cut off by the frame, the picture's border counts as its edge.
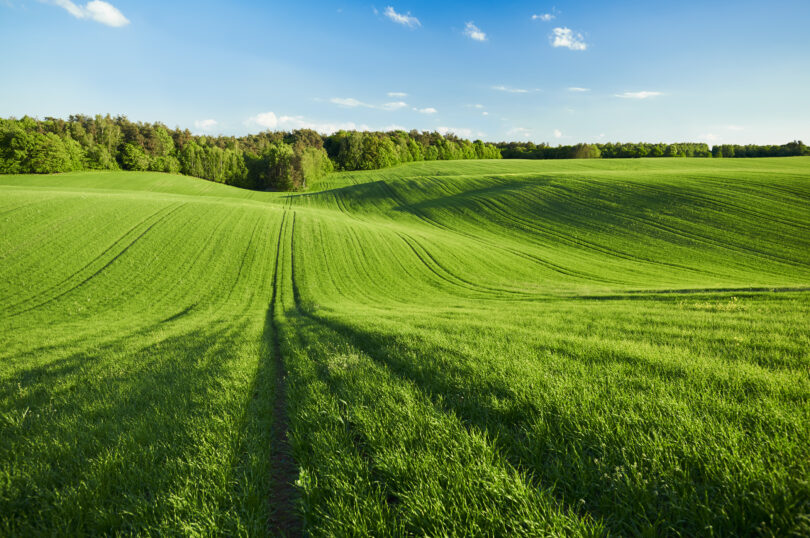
(723, 205)
(448, 275)
(356, 439)
(7, 212)
(407, 240)
(421, 216)
(97, 258)
(491, 244)
(394, 495)
(284, 520)
(582, 243)
(105, 266)
(244, 257)
(694, 236)
(65, 225)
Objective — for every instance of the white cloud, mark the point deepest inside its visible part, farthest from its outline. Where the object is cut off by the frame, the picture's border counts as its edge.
(397, 94)
(520, 132)
(708, 137)
(205, 125)
(557, 133)
(462, 132)
(96, 11)
(509, 89)
(638, 95)
(405, 20)
(479, 107)
(351, 102)
(266, 120)
(292, 123)
(428, 110)
(545, 17)
(474, 32)
(577, 89)
(565, 37)
(348, 102)
(392, 106)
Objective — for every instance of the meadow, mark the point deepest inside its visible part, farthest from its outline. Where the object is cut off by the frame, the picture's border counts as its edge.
(581, 347)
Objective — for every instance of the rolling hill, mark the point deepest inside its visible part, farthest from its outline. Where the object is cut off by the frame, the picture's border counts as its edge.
(441, 348)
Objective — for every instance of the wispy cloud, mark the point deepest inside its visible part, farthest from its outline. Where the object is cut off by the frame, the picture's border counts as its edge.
(397, 94)
(348, 102)
(205, 125)
(268, 120)
(299, 122)
(509, 89)
(638, 95)
(545, 17)
(557, 133)
(405, 20)
(523, 133)
(578, 89)
(392, 106)
(351, 102)
(474, 32)
(96, 11)
(567, 38)
(428, 110)
(458, 131)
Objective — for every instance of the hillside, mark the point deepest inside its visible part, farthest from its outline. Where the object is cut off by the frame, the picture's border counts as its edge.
(468, 347)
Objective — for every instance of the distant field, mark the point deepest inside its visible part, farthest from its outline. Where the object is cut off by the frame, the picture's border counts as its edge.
(447, 348)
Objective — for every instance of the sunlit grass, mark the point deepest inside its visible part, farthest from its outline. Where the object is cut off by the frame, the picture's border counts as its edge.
(523, 348)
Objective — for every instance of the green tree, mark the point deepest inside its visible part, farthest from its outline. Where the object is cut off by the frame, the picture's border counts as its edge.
(133, 157)
(48, 155)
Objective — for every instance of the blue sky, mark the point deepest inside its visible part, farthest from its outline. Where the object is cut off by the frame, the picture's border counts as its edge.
(559, 72)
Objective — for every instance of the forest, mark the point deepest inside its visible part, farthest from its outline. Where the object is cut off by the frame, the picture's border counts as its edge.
(618, 150)
(286, 161)
(271, 160)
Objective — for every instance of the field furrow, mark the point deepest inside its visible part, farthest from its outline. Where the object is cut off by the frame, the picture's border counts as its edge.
(612, 347)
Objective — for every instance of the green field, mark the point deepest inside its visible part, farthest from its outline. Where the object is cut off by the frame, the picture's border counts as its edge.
(443, 348)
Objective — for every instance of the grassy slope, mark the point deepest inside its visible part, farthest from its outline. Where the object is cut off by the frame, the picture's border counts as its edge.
(470, 347)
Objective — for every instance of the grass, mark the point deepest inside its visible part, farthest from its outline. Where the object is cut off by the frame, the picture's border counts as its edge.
(446, 348)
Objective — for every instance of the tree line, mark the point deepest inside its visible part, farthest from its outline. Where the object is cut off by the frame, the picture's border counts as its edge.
(791, 149)
(286, 160)
(268, 160)
(529, 150)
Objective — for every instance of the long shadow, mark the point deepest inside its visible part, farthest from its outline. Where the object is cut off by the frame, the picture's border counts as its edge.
(671, 295)
(464, 199)
(109, 451)
(370, 194)
(309, 332)
(580, 483)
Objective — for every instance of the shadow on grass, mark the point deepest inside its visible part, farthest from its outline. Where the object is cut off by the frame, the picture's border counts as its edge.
(142, 440)
(584, 465)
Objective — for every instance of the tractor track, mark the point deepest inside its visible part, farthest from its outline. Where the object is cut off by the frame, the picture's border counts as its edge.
(284, 519)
